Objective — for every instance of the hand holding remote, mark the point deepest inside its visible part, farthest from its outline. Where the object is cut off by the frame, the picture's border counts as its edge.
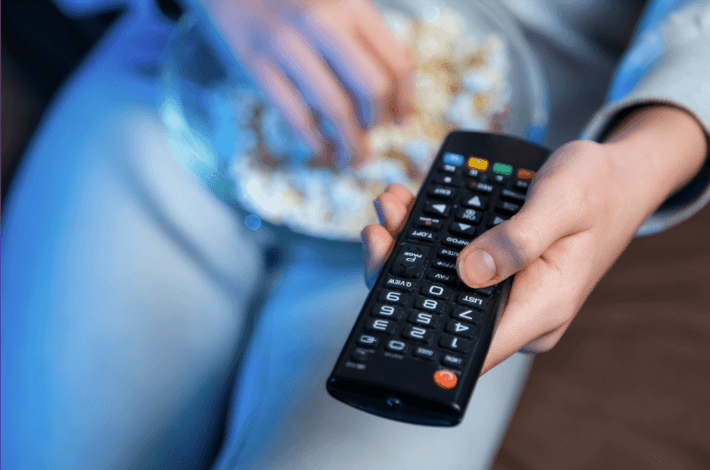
(582, 210)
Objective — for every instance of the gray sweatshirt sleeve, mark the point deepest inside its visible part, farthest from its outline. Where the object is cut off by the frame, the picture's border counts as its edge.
(680, 77)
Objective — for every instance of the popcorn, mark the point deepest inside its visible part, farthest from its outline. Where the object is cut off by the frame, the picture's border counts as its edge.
(461, 83)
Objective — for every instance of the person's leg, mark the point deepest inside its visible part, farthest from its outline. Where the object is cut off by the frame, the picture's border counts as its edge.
(125, 286)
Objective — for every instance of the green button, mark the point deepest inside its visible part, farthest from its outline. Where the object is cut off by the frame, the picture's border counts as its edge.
(502, 168)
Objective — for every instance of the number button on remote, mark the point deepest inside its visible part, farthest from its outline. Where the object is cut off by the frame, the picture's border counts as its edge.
(417, 333)
(455, 344)
(430, 305)
(386, 327)
(461, 329)
(393, 297)
(397, 346)
(437, 292)
(411, 261)
(426, 320)
(387, 311)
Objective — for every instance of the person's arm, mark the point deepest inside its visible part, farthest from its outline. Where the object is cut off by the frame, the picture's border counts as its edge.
(330, 67)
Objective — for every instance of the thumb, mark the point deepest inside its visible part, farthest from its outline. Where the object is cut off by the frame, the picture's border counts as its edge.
(512, 245)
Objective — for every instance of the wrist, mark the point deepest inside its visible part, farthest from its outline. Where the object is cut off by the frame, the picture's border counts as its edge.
(654, 152)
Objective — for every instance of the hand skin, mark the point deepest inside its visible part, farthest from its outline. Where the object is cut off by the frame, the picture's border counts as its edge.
(583, 209)
(329, 67)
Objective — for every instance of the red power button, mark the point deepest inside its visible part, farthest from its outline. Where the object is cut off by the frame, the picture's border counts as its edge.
(444, 378)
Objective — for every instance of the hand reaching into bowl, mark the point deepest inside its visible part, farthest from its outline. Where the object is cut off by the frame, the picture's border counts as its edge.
(330, 67)
(583, 208)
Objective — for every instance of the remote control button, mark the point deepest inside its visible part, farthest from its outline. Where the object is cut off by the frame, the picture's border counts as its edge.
(441, 277)
(452, 361)
(449, 180)
(454, 159)
(445, 379)
(507, 208)
(483, 188)
(461, 329)
(444, 265)
(424, 353)
(512, 196)
(387, 311)
(427, 222)
(359, 356)
(497, 179)
(448, 253)
(453, 343)
(471, 300)
(460, 228)
(525, 175)
(367, 341)
(475, 202)
(405, 285)
(495, 220)
(381, 326)
(442, 192)
(475, 163)
(437, 209)
(427, 320)
(484, 291)
(476, 174)
(430, 305)
(455, 241)
(417, 333)
(397, 346)
(502, 169)
(393, 297)
(521, 185)
(466, 314)
(437, 292)
(445, 168)
(469, 216)
(421, 235)
(411, 261)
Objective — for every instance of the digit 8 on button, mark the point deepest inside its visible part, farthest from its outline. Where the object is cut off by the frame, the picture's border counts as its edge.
(445, 379)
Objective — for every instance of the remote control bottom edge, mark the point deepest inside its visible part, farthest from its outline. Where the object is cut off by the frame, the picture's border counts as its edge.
(393, 405)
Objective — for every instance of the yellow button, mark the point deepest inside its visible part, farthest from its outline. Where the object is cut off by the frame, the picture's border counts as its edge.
(479, 164)
(446, 379)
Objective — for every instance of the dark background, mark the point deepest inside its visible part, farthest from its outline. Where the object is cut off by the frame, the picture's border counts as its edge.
(628, 385)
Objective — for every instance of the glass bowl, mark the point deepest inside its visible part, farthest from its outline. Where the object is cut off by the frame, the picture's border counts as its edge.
(475, 71)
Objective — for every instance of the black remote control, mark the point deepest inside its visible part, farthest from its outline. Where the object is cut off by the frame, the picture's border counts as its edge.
(418, 345)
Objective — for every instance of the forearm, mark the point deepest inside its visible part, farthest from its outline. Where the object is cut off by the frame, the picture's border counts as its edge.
(655, 151)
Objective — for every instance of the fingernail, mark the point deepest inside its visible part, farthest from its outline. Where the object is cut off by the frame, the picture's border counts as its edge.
(479, 267)
(380, 213)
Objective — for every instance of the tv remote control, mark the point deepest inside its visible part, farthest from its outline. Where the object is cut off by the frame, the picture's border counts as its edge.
(418, 345)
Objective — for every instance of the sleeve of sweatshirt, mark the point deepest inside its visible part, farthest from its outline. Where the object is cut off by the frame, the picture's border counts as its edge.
(678, 75)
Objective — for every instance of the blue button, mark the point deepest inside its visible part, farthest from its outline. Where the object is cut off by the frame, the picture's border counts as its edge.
(453, 159)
